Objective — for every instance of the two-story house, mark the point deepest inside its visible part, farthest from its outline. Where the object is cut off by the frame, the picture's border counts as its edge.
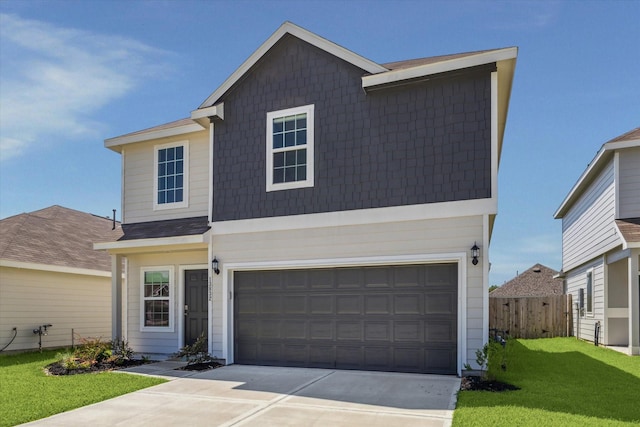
(601, 245)
(318, 209)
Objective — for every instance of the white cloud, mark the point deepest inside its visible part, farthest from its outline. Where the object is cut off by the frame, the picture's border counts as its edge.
(54, 78)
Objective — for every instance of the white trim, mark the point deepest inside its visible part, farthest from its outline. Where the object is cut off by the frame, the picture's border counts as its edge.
(53, 268)
(304, 35)
(495, 152)
(210, 167)
(616, 186)
(443, 210)
(228, 287)
(617, 256)
(172, 298)
(599, 161)
(439, 67)
(144, 243)
(186, 176)
(309, 181)
(203, 116)
(484, 255)
(587, 274)
(113, 143)
(180, 309)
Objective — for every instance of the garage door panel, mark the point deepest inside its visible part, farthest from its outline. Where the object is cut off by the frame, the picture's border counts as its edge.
(408, 331)
(377, 278)
(348, 304)
(295, 304)
(408, 304)
(440, 303)
(321, 304)
(377, 331)
(400, 318)
(348, 330)
(378, 304)
(321, 330)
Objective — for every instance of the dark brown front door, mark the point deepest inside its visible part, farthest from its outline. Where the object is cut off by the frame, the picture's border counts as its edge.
(391, 318)
(195, 304)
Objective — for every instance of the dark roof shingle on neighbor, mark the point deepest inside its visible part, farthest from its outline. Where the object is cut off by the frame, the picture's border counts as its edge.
(57, 236)
(534, 282)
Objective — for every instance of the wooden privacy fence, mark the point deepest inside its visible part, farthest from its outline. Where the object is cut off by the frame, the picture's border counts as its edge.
(532, 317)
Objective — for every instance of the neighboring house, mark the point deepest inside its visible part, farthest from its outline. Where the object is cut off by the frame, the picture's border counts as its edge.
(50, 275)
(601, 245)
(318, 209)
(538, 281)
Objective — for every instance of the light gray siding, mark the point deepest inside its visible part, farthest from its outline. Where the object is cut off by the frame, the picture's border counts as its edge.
(629, 183)
(588, 229)
(584, 323)
(138, 194)
(77, 305)
(150, 341)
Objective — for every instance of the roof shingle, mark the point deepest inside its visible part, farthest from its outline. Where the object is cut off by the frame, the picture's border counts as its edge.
(57, 236)
(536, 281)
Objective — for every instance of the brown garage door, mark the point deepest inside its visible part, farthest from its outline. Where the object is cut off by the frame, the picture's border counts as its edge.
(400, 318)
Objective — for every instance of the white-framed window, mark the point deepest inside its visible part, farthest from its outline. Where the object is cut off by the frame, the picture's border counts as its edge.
(171, 176)
(157, 299)
(589, 293)
(290, 148)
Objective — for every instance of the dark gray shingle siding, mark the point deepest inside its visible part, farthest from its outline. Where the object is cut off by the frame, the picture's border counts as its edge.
(421, 143)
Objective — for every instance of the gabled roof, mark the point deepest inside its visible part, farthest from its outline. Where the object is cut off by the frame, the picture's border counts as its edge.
(301, 33)
(537, 281)
(56, 236)
(626, 140)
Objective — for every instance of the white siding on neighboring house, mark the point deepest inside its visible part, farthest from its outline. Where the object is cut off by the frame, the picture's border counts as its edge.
(629, 183)
(72, 303)
(151, 341)
(435, 236)
(138, 178)
(584, 324)
(588, 228)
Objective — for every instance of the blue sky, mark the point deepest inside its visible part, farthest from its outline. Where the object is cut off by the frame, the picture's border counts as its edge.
(73, 73)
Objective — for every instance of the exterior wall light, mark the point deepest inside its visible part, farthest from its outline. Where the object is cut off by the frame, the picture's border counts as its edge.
(475, 253)
(214, 265)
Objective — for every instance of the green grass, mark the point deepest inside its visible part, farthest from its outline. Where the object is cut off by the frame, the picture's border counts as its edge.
(27, 394)
(564, 382)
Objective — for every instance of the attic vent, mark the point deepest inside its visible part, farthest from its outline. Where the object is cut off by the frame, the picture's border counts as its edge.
(536, 270)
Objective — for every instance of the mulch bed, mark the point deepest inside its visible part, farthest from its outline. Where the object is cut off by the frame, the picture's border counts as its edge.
(477, 383)
(56, 368)
(201, 366)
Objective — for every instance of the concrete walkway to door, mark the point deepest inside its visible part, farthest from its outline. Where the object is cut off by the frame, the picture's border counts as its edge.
(240, 395)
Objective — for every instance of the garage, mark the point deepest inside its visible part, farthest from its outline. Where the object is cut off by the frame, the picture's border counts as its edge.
(385, 318)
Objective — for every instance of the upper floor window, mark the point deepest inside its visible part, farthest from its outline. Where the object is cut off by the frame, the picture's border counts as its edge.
(290, 148)
(171, 176)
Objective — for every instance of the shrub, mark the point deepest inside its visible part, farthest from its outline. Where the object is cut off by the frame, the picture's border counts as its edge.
(196, 352)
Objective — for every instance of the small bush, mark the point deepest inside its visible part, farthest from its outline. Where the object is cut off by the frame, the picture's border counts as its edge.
(93, 354)
(196, 352)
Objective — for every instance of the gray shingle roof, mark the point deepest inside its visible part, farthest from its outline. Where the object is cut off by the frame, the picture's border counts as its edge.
(166, 228)
(629, 136)
(630, 229)
(57, 236)
(536, 281)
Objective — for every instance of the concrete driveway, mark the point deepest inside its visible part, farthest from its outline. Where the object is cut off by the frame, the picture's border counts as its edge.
(272, 396)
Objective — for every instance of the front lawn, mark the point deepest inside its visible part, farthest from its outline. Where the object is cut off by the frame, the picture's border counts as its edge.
(27, 394)
(564, 382)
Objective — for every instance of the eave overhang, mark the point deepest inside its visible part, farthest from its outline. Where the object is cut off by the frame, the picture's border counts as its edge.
(163, 244)
(601, 159)
(184, 127)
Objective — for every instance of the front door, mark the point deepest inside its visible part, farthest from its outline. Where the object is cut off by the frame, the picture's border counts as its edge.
(195, 305)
